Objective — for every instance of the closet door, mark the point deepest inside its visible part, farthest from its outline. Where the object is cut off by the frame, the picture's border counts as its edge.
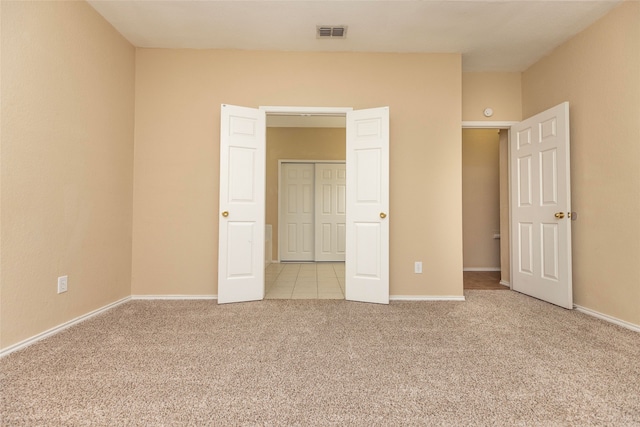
(297, 229)
(330, 211)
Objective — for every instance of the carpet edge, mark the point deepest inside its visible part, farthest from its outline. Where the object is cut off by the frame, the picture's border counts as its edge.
(56, 329)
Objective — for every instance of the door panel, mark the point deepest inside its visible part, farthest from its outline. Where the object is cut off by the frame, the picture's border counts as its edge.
(297, 211)
(367, 226)
(330, 211)
(540, 207)
(242, 204)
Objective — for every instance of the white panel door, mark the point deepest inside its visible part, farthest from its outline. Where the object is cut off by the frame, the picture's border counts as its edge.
(330, 220)
(242, 204)
(367, 236)
(541, 206)
(296, 226)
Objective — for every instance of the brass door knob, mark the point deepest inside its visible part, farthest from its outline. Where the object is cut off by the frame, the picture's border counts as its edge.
(559, 215)
(383, 215)
(225, 214)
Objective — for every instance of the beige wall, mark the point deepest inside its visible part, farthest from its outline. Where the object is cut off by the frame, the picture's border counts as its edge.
(297, 144)
(178, 97)
(480, 198)
(66, 165)
(598, 72)
(499, 91)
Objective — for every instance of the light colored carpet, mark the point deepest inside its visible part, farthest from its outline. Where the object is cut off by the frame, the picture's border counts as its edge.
(499, 358)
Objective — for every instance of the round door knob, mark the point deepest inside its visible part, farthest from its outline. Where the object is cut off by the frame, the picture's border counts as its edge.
(225, 214)
(559, 215)
(383, 215)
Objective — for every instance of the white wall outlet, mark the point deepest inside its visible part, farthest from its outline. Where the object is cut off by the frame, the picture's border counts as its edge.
(417, 267)
(62, 284)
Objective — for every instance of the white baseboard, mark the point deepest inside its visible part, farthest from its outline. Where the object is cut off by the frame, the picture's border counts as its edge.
(505, 283)
(59, 328)
(607, 318)
(482, 269)
(173, 297)
(214, 297)
(425, 298)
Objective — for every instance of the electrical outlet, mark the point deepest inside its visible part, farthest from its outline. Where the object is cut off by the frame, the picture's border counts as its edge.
(62, 284)
(417, 268)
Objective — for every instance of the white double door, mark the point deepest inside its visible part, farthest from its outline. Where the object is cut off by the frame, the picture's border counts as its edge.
(312, 212)
(241, 231)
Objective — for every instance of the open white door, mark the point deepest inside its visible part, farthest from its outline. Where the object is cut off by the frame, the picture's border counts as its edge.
(367, 229)
(541, 206)
(242, 204)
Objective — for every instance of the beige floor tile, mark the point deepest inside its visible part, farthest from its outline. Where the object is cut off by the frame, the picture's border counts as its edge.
(331, 295)
(286, 273)
(291, 265)
(309, 274)
(304, 296)
(283, 285)
(305, 280)
(288, 276)
(278, 295)
(329, 287)
(306, 287)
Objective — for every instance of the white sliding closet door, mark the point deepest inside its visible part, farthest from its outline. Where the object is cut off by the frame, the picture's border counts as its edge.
(330, 211)
(297, 227)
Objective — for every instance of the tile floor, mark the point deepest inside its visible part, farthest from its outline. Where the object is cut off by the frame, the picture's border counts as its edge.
(322, 280)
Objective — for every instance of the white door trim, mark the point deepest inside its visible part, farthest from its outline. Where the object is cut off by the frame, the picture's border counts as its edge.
(314, 111)
(487, 125)
(280, 162)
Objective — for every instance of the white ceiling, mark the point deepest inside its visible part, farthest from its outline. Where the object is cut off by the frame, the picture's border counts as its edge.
(496, 35)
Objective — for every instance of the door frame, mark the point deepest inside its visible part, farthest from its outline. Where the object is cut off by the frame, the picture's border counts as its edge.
(280, 110)
(280, 162)
(501, 125)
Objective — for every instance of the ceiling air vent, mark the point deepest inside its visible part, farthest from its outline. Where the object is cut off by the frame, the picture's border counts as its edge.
(331, 31)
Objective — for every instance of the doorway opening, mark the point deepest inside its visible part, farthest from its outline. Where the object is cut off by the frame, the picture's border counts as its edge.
(481, 175)
(485, 165)
(305, 206)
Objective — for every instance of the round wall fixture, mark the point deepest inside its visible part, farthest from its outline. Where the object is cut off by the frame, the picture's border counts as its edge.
(488, 112)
